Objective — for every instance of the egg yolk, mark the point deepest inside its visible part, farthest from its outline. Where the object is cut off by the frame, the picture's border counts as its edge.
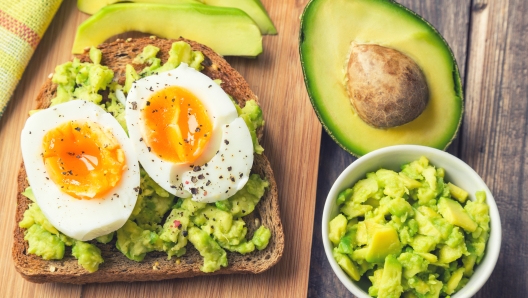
(177, 127)
(83, 159)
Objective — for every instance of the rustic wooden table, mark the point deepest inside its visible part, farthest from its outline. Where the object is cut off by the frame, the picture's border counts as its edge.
(291, 141)
(488, 42)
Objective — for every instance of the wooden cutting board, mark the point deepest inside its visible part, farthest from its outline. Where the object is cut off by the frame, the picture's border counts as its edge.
(291, 140)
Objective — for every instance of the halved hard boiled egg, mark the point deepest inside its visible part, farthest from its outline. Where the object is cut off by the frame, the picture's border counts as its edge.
(82, 168)
(188, 135)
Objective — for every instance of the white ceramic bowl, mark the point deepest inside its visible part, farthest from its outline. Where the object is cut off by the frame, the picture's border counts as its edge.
(457, 172)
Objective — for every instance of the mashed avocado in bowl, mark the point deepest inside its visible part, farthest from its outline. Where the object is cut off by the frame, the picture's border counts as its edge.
(411, 221)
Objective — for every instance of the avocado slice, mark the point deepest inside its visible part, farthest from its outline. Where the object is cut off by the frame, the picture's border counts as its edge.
(228, 31)
(93, 6)
(330, 27)
(253, 8)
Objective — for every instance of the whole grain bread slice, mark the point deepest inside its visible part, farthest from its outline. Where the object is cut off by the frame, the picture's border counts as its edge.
(117, 267)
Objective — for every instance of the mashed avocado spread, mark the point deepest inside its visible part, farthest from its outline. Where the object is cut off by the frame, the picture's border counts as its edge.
(159, 221)
(410, 233)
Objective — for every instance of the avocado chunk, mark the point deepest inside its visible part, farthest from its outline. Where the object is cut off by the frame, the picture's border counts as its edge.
(33, 215)
(413, 263)
(457, 192)
(337, 228)
(173, 233)
(347, 265)
(390, 284)
(455, 214)
(253, 8)
(448, 254)
(43, 243)
(384, 241)
(454, 280)
(88, 255)
(228, 31)
(135, 242)
(214, 256)
(261, 237)
(105, 238)
(329, 28)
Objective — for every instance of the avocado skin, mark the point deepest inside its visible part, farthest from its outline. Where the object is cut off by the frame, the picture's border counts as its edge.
(336, 132)
(253, 8)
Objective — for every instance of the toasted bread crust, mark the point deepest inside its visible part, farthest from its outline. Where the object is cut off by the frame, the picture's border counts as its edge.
(155, 266)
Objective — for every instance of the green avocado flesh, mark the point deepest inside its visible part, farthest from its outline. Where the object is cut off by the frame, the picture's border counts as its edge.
(228, 31)
(328, 28)
(92, 6)
(253, 8)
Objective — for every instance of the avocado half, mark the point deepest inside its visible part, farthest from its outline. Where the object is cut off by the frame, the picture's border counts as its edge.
(329, 27)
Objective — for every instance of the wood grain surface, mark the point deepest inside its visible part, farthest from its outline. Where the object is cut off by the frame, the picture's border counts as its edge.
(488, 40)
(291, 142)
(495, 133)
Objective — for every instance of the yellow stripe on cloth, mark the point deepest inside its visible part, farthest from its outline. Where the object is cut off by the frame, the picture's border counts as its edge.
(22, 24)
(35, 14)
(18, 50)
(9, 77)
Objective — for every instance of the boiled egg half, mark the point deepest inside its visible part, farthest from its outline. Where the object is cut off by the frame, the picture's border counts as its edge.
(82, 168)
(188, 135)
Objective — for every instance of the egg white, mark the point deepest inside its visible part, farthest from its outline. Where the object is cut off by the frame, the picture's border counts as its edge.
(79, 219)
(176, 178)
(229, 169)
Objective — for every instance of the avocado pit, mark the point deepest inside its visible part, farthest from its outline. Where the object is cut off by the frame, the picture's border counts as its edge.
(386, 87)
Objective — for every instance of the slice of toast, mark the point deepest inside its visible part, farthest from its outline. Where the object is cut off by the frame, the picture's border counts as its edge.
(117, 267)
